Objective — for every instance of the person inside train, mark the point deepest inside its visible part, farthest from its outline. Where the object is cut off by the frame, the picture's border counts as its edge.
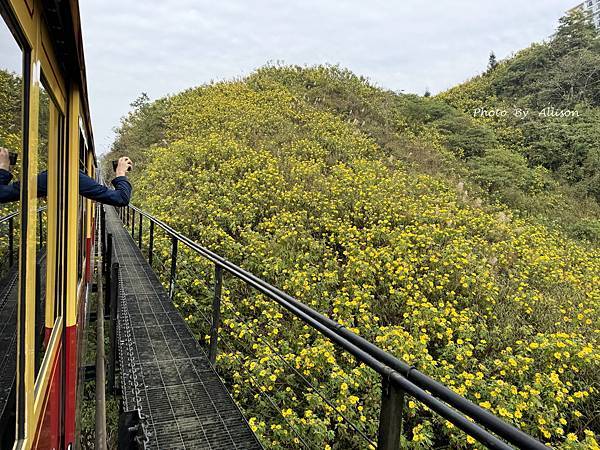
(88, 187)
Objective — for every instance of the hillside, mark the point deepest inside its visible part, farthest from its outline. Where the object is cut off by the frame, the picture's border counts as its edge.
(404, 218)
(550, 95)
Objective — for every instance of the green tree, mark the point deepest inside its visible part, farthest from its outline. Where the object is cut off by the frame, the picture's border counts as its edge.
(492, 62)
(10, 110)
(140, 130)
(575, 32)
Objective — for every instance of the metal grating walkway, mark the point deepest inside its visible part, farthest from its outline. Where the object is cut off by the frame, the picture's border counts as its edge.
(164, 373)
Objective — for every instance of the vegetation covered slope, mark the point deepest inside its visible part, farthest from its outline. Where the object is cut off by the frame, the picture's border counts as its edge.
(550, 95)
(363, 204)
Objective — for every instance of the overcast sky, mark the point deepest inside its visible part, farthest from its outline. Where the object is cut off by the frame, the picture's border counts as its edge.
(164, 46)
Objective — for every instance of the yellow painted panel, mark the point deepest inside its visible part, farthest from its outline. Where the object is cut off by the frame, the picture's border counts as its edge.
(28, 249)
(73, 197)
(41, 384)
(27, 22)
(51, 215)
(54, 81)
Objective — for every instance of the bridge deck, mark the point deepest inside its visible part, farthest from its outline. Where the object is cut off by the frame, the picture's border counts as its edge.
(164, 372)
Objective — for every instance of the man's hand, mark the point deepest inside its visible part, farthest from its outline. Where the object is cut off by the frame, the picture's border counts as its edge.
(124, 165)
(4, 159)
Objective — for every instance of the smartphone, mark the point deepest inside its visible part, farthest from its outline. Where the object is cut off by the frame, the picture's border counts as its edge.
(115, 163)
(13, 157)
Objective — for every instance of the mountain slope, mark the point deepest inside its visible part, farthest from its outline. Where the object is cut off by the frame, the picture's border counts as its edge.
(359, 202)
(557, 83)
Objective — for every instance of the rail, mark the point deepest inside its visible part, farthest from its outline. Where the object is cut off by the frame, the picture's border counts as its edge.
(397, 377)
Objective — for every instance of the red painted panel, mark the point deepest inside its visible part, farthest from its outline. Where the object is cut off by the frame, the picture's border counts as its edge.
(48, 432)
(70, 384)
(47, 334)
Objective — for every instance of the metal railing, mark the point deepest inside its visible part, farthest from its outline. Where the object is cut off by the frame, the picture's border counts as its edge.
(9, 219)
(397, 377)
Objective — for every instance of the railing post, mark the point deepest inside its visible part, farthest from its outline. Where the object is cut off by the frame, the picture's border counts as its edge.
(11, 242)
(390, 416)
(151, 243)
(127, 215)
(40, 231)
(100, 346)
(112, 357)
(216, 315)
(140, 231)
(133, 223)
(103, 239)
(108, 270)
(174, 243)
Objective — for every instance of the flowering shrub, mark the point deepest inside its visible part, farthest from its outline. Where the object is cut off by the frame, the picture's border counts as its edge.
(499, 308)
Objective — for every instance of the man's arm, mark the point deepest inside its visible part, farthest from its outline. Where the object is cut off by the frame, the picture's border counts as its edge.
(119, 196)
(88, 187)
(11, 192)
(8, 192)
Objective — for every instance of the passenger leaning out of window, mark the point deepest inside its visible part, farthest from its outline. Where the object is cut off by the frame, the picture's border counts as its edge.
(88, 187)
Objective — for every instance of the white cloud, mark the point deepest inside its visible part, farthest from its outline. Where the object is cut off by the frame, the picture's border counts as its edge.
(161, 47)
(11, 57)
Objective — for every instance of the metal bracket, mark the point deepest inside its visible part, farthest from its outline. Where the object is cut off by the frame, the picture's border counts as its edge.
(131, 432)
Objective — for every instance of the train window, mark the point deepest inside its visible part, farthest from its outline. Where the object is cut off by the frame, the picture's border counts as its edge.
(82, 210)
(44, 110)
(82, 149)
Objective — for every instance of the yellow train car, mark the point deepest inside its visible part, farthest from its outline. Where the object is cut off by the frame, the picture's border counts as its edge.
(45, 120)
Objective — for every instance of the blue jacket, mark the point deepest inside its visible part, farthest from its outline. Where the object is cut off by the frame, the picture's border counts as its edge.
(88, 187)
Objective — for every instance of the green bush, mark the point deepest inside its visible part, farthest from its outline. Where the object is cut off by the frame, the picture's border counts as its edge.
(500, 169)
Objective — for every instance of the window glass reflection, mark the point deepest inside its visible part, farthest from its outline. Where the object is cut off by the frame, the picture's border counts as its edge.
(11, 138)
